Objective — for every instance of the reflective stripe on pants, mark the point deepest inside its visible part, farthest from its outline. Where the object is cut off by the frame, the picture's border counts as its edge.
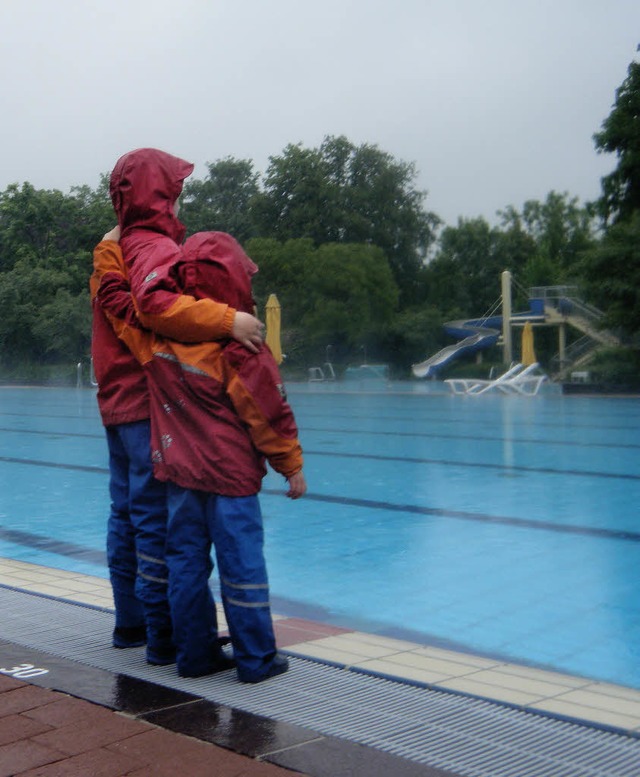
(136, 531)
(234, 526)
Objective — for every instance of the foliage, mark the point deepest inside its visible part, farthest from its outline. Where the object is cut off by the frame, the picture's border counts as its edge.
(611, 268)
(486, 369)
(619, 367)
(541, 246)
(611, 271)
(45, 317)
(464, 276)
(223, 201)
(341, 235)
(411, 336)
(46, 238)
(620, 134)
(348, 194)
(337, 294)
(558, 231)
(465, 273)
(36, 373)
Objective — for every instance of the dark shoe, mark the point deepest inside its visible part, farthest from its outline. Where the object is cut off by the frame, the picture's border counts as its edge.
(279, 665)
(129, 636)
(221, 661)
(161, 656)
(160, 648)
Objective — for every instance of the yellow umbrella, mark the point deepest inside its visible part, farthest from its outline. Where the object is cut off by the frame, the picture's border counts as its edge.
(528, 354)
(273, 327)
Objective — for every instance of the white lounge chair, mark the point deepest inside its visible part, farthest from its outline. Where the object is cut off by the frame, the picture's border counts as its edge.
(516, 380)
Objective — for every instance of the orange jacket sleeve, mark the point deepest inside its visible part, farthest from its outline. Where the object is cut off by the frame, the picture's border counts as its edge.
(255, 387)
(109, 289)
(159, 301)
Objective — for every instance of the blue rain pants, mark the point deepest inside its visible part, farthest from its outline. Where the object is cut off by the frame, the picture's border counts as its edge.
(234, 526)
(136, 534)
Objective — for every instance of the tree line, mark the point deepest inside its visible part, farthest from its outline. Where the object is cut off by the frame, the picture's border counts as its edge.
(343, 236)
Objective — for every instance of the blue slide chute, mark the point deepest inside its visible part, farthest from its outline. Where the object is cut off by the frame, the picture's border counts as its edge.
(476, 334)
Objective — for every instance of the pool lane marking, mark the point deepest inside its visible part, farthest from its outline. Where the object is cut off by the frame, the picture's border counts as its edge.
(474, 464)
(374, 457)
(422, 419)
(617, 534)
(52, 545)
(437, 512)
(418, 435)
(479, 437)
(47, 432)
(91, 555)
(469, 420)
(56, 465)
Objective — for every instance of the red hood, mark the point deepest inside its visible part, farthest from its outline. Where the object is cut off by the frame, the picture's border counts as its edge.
(215, 266)
(144, 186)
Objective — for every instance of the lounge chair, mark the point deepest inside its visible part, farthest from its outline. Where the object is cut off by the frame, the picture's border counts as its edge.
(516, 380)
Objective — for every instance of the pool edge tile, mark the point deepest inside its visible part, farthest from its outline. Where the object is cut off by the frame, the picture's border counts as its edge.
(324, 642)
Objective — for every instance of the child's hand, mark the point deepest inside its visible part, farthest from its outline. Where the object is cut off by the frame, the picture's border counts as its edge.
(248, 331)
(114, 235)
(297, 486)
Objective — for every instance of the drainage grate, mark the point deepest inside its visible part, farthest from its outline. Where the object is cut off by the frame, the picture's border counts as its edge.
(472, 737)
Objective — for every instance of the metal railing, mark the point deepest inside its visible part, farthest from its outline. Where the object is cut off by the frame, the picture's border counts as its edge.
(573, 353)
(566, 301)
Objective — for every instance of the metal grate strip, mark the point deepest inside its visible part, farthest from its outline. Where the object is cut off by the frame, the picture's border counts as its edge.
(472, 737)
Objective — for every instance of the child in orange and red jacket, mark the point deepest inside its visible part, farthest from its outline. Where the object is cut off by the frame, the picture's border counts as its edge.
(217, 409)
(137, 521)
(199, 514)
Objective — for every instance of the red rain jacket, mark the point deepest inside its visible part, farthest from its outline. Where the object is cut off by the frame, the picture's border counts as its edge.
(217, 409)
(144, 186)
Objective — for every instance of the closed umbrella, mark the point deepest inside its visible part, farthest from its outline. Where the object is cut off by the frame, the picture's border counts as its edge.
(273, 327)
(528, 353)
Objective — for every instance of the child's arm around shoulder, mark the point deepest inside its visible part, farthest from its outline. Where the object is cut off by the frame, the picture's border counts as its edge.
(109, 284)
(184, 318)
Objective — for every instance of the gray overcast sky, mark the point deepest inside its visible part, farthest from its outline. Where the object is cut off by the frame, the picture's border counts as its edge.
(495, 101)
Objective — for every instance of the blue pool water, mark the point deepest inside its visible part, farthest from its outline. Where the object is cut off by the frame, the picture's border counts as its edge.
(502, 525)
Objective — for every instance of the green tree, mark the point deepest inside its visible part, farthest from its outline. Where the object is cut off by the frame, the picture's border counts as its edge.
(412, 335)
(347, 194)
(224, 200)
(612, 268)
(612, 274)
(28, 295)
(298, 199)
(62, 328)
(281, 271)
(558, 231)
(42, 224)
(342, 295)
(620, 134)
(352, 295)
(46, 239)
(464, 276)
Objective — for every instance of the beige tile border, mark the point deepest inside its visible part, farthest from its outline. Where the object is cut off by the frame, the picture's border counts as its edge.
(530, 688)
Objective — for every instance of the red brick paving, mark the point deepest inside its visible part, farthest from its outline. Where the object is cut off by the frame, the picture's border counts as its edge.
(290, 631)
(45, 733)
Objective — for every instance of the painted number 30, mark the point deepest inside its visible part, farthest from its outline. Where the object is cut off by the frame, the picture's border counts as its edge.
(23, 671)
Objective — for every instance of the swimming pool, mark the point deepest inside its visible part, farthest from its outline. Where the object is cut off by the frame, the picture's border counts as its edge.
(499, 525)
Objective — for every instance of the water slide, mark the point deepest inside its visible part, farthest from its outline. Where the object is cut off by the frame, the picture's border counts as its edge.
(476, 334)
(473, 335)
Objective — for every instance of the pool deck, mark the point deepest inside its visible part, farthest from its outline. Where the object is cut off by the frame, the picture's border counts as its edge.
(39, 726)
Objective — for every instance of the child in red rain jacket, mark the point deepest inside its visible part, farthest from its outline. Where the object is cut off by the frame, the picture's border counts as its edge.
(217, 410)
(138, 512)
